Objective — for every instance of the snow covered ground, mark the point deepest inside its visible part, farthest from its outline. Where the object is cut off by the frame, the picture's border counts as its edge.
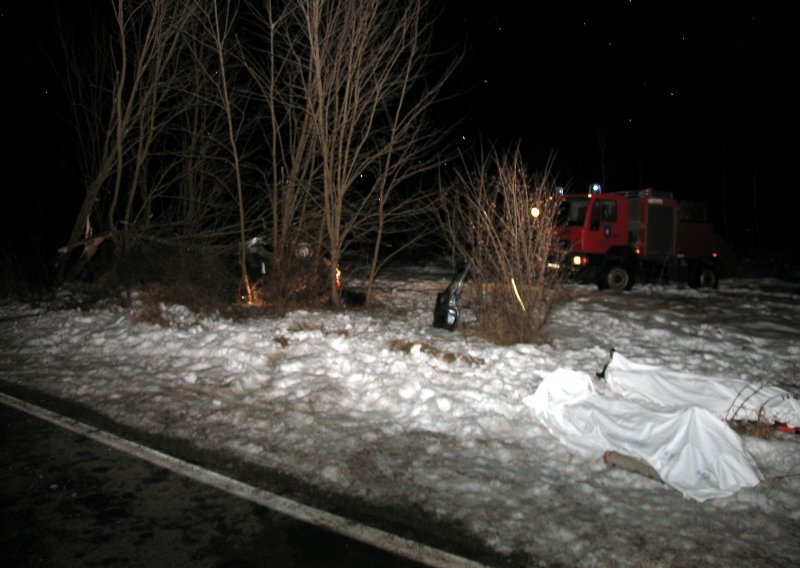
(384, 407)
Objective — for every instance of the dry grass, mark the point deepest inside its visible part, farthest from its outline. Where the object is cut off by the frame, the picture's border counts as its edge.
(153, 314)
(305, 326)
(405, 346)
(756, 429)
(152, 310)
(308, 326)
(760, 428)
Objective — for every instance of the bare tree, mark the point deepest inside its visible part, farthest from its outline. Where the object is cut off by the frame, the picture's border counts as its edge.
(291, 161)
(361, 69)
(502, 221)
(345, 98)
(201, 204)
(201, 199)
(132, 96)
(215, 36)
(91, 133)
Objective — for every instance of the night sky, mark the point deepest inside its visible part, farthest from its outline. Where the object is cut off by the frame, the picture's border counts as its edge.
(679, 96)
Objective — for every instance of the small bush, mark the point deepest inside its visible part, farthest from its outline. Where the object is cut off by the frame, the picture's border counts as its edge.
(297, 282)
(502, 221)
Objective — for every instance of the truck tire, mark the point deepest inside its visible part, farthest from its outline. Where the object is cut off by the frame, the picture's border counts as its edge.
(704, 275)
(615, 276)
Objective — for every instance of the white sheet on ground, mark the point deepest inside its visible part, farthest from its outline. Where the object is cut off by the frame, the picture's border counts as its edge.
(692, 450)
(727, 398)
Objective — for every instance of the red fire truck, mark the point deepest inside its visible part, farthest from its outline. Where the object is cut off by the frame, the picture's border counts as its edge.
(616, 239)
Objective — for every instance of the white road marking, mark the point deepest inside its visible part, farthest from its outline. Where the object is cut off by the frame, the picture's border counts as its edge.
(374, 537)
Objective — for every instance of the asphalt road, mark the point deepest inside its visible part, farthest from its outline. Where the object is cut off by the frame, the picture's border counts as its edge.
(67, 500)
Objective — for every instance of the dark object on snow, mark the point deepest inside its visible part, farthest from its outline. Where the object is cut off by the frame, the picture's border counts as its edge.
(445, 314)
(352, 298)
(602, 374)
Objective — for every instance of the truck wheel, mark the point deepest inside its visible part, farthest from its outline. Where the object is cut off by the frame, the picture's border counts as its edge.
(615, 277)
(704, 276)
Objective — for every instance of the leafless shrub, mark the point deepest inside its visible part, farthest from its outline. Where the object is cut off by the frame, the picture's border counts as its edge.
(502, 221)
(294, 282)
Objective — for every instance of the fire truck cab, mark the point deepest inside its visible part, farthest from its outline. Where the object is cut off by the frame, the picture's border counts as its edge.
(615, 239)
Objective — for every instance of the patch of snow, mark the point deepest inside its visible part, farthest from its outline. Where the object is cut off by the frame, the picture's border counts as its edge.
(445, 425)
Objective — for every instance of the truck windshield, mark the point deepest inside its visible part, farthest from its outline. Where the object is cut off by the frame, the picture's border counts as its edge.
(573, 211)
